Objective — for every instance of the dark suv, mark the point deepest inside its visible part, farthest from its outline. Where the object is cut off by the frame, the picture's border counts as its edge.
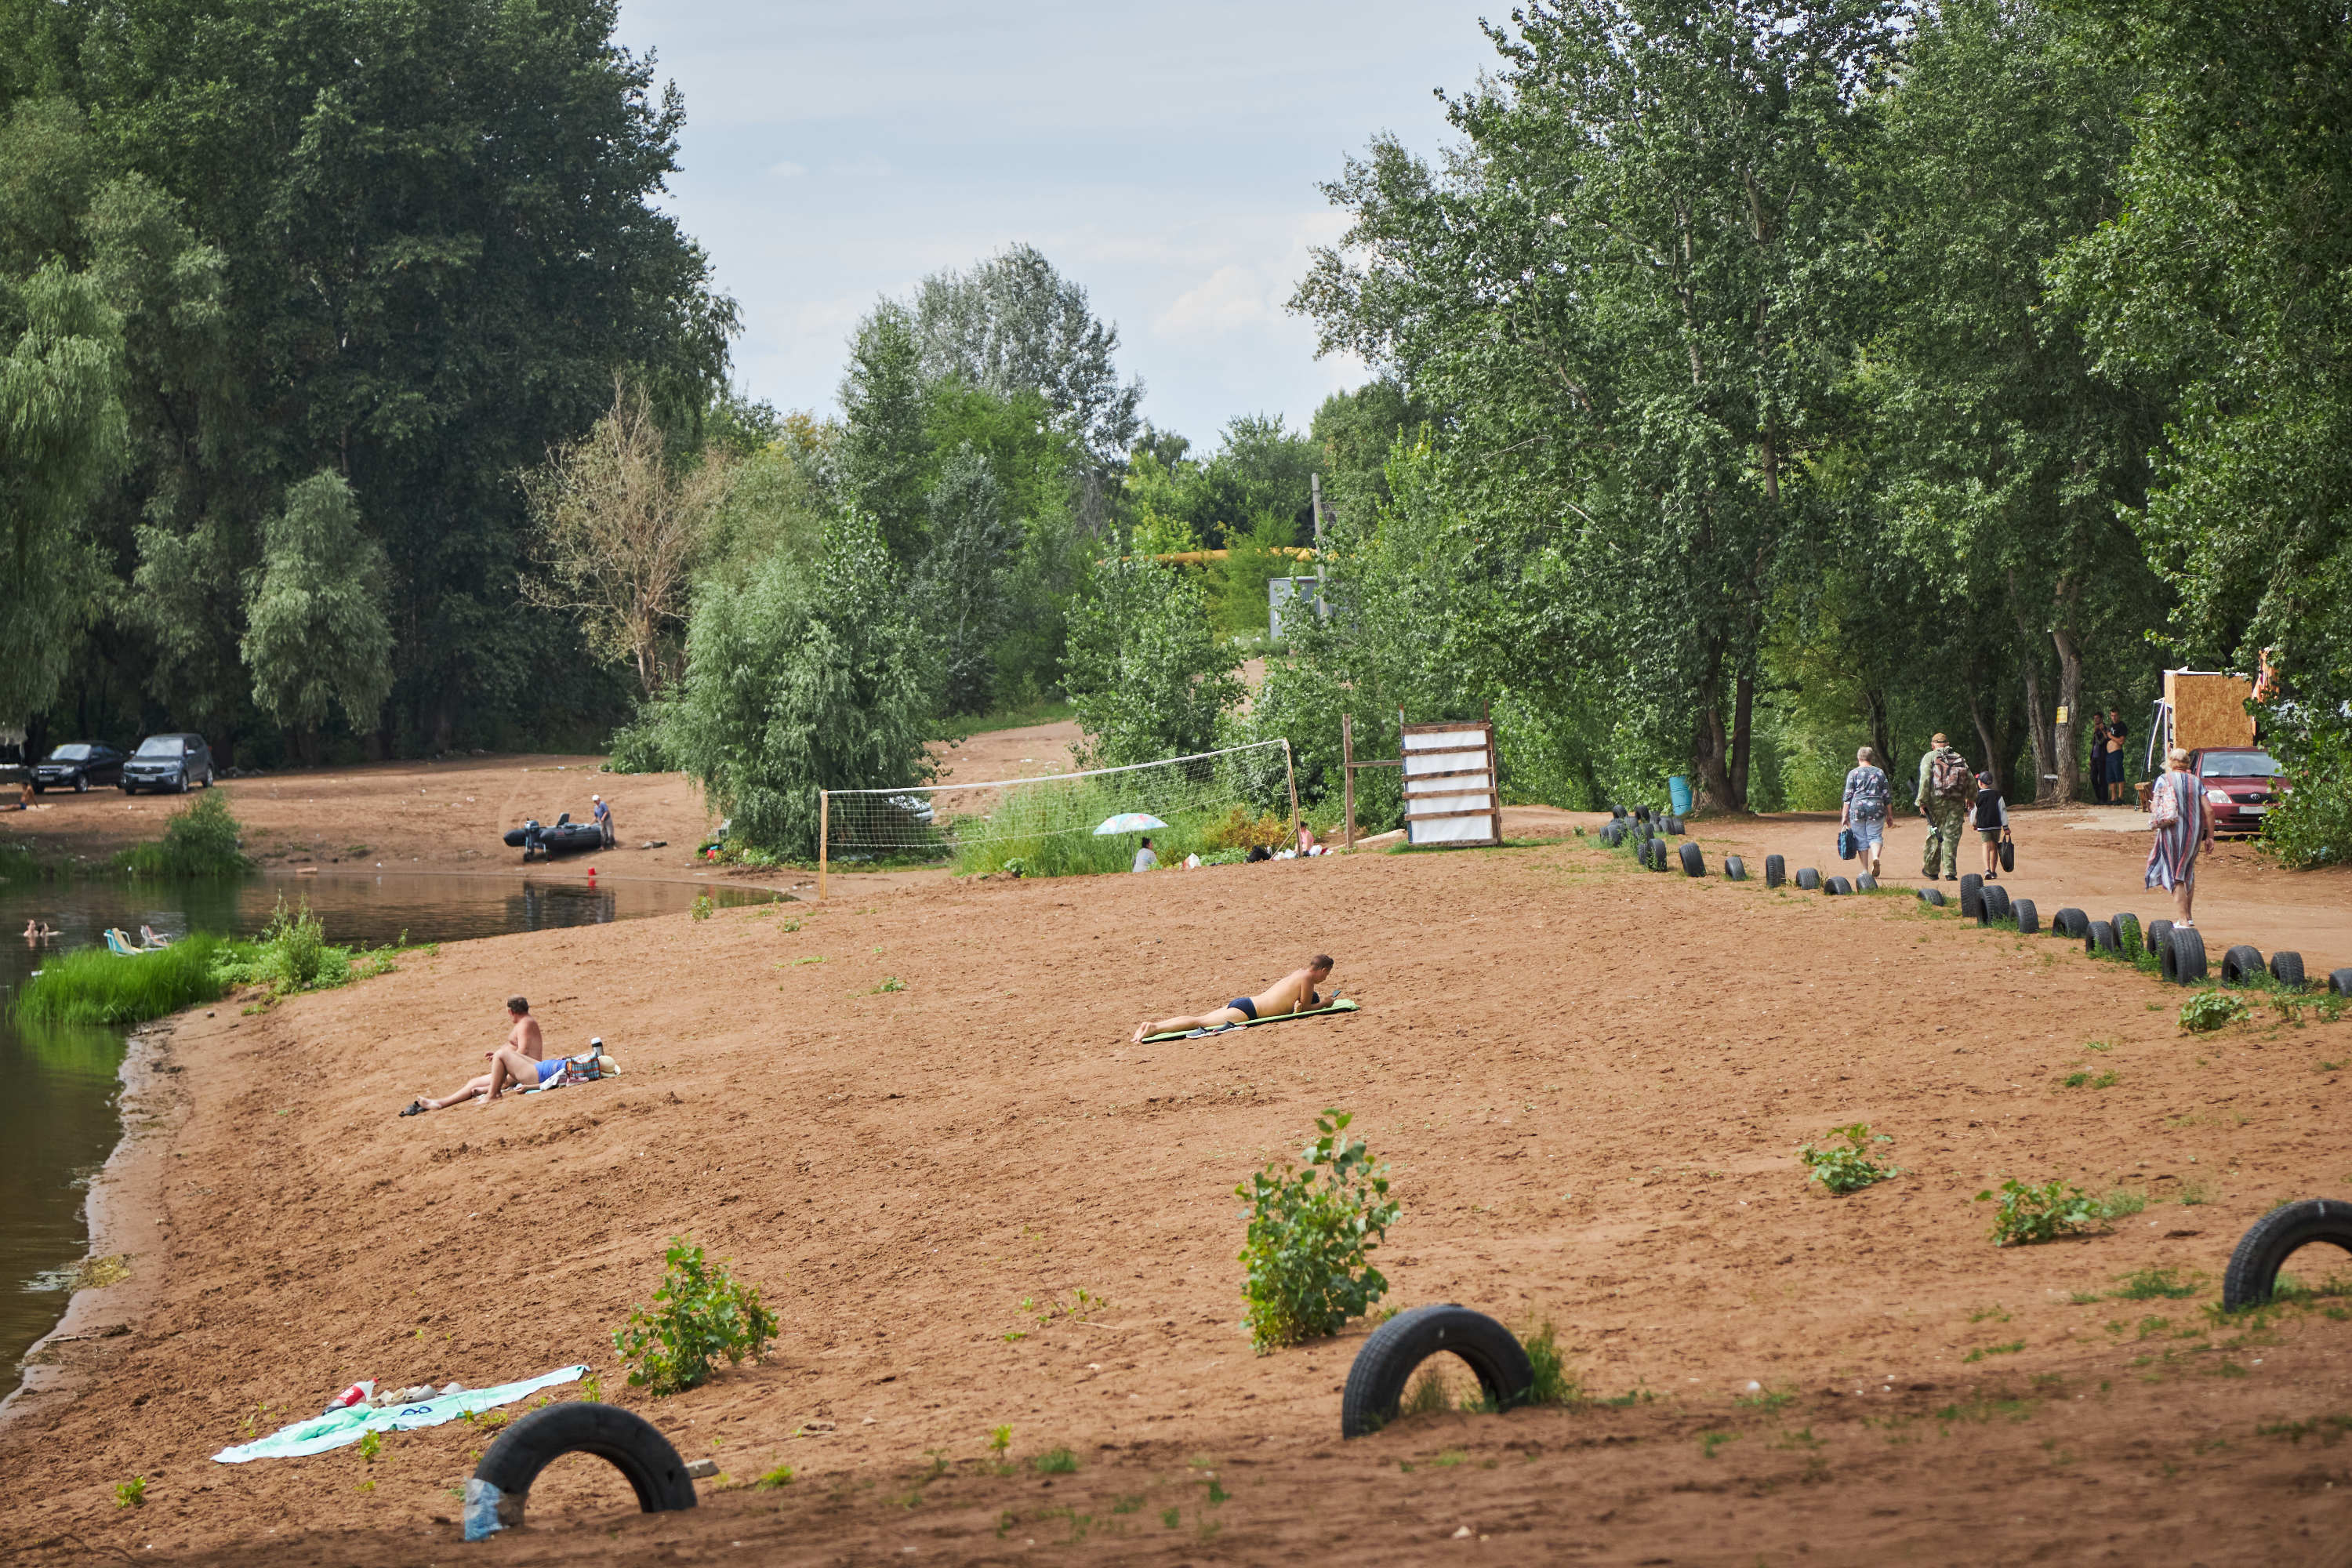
(77, 766)
(169, 763)
(2241, 784)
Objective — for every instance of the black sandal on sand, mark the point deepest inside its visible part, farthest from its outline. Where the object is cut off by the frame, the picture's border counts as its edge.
(416, 1108)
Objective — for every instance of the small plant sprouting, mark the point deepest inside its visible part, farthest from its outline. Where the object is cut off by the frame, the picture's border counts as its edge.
(1849, 1169)
(889, 983)
(1554, 1384)
(1056, 1462)
(1307, 1243)
(1709, 1442)
(702, 906)
(2154, 1283)
(131, 1493)
(2029, 1213)
(592, 1389)
(370, 1445)
(700, 1312)
(781, 1476)
(1000, 1441)
(2209, 1010)
(2080, 1079)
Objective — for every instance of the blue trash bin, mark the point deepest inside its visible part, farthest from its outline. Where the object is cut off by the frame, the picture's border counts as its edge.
(1678, 789)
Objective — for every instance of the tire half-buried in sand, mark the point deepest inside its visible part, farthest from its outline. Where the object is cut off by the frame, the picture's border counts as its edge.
(1376, 1382)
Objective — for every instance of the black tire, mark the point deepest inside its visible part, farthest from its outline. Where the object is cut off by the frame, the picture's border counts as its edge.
(1807, 879)
(2100, 938)
(1837, 885)
(1996, 900)
(630, 1443)
(2128, 937)
(2158, 933)
(1971, 894)
(1865, 883)
(2008, 855)
(1640, 814)
(2254, 1267)
(183, 787)
(1376, 1382)
(2340, 981)
(2184, 955)
(1694, 860)
(1735, 870)
(1776, 870)
(208, 778)
(82, 784)
(1933, 897)
(1617, 811)
(2242, 964)
(1675, 826)
(2286, 968)
(2070, 921)
(2027, 921)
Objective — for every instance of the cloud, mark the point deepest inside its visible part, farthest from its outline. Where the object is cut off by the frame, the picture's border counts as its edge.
(788, 170)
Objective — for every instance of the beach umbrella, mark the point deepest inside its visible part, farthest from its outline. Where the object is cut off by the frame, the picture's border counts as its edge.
(1129, 822)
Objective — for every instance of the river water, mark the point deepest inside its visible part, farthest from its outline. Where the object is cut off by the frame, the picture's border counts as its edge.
(59, 1084)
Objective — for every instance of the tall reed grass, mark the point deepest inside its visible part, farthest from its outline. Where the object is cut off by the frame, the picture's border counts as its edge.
(1047, 830)
(92, 986)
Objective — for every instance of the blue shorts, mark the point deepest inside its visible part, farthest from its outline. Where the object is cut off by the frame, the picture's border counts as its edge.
(1869, 831)
(549, 1070)
(1245, 1006)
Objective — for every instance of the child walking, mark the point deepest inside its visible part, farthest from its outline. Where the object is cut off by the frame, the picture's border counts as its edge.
(1992, 821)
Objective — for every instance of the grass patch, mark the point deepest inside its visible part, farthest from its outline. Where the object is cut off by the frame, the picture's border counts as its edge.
(2029, 1213)
(18, 864)
(1056, 1462)
(204, 841)
(1047, 829)
(2210, 1010)
(1554, 1384)
(1848, 1169)
(92, 986)
(2154, 1284)
(2011, 1347)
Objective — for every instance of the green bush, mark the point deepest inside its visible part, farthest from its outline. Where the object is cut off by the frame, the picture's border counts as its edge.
(1848, 1169)
(1148, 675)
(92, 986)
(640, 747)
(204, 841)
(2029, 1213)
(700, 1313)
(2311, 826)
(1554, 1384)
(2210, 1010)
(1308, 1239)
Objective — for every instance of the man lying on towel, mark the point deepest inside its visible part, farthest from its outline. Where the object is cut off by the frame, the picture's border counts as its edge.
(1294, 992)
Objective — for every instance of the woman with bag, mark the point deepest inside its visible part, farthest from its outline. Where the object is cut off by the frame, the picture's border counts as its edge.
(1865, 813)
(2176, 809)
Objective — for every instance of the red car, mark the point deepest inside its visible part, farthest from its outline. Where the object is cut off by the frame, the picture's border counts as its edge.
(2240, 784)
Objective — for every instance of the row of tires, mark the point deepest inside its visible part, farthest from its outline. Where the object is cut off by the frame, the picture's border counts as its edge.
(1374, 1392)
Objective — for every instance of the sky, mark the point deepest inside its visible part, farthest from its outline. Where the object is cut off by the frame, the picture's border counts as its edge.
(1165, 157)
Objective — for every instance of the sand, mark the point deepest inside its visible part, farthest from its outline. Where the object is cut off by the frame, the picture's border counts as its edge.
(1589, 1082)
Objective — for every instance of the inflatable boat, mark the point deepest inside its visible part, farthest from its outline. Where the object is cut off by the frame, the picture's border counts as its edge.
(566, 837)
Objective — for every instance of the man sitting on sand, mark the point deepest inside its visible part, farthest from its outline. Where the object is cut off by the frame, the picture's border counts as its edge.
(515, 1062)
(1294, 992)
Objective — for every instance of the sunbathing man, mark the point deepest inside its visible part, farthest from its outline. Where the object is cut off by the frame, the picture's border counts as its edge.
(515, 1062)
(1294, 992)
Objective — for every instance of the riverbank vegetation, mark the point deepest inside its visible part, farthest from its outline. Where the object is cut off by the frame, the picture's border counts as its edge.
(94, 985)
(204, 841)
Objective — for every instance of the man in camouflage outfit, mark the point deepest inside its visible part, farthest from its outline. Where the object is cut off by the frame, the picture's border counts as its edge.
(1946, 786)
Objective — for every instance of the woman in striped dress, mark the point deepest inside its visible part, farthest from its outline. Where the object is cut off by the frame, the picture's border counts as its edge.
(2182, 827)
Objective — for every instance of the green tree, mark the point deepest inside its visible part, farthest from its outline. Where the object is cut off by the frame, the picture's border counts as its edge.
(61, 436)
(798, 680)
(315, 625)
(1353, 432)
(1618, 289)
(885, 454)
(2007, 466)
(1146, 675)
(961, 583)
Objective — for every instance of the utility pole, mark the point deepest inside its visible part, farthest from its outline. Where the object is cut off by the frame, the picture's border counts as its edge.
(1315, 482)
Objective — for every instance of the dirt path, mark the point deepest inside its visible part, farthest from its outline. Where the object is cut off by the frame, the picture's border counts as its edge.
(1587, 1079)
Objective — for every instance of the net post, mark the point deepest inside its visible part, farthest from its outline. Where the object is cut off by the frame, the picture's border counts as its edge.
(1290, 775)
(824, 821)
(1347, 771)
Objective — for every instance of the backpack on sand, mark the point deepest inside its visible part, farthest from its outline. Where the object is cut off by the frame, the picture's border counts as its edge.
(1951, 779)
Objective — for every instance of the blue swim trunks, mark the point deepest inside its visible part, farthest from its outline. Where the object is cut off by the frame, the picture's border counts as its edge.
(1245, 1006)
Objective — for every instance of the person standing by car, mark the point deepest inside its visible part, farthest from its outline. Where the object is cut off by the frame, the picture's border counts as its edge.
(1867, 795)
(2181, 826)
(1945, 789)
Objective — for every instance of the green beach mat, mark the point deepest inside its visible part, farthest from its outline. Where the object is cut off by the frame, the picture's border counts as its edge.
(1341, 1006)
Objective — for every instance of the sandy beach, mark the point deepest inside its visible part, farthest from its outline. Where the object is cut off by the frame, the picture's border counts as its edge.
(1589, 1081)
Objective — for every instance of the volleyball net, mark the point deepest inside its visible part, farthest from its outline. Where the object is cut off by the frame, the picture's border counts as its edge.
(1220, 804)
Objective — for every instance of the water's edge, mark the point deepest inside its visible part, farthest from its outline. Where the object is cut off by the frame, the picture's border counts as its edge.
(149, 1108)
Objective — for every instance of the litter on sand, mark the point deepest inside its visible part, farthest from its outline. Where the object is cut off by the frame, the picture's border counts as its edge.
(348, 1424)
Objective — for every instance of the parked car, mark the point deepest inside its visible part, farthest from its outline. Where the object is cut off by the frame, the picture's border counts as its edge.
(76, 766)
(2240, 784)
(169, 763)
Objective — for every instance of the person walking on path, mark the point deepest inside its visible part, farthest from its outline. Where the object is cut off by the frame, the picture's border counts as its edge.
(1991, 816)
(2176, 809)
(1867, 794)
(1945, 789)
